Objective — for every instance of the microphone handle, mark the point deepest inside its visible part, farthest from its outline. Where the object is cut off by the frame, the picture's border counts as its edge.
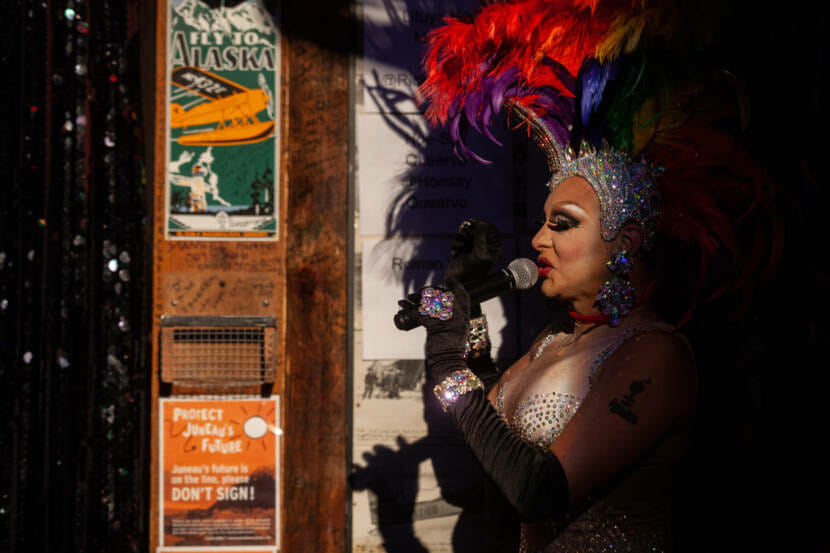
(491, 286)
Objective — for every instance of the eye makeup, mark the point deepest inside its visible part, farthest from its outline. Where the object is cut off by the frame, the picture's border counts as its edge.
(561, 221)
(561, 218)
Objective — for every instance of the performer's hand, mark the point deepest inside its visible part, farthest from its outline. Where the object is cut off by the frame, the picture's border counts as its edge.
(475, 248)
(445, 313)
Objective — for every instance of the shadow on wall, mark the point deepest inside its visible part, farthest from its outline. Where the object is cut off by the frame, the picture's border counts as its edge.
(435, 192)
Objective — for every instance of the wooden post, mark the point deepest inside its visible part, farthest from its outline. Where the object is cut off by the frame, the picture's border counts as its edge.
(317, 85)
(304, 273)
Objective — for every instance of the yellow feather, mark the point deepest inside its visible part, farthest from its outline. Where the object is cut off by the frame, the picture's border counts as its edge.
(624, 34)
(677, 22)
(643, 132)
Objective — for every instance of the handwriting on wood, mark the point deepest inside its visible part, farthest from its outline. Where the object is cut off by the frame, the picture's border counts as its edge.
(219, 293)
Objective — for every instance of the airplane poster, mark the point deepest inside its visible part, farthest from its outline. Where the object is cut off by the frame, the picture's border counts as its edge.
(222, 113)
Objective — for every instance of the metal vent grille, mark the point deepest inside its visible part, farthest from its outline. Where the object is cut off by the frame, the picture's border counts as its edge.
(219, 352)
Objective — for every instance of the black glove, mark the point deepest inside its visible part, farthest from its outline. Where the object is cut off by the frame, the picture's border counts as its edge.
(532, 480)
(447, 339)
(475, 248)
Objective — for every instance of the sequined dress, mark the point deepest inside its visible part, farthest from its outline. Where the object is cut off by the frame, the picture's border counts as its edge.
(633, 513)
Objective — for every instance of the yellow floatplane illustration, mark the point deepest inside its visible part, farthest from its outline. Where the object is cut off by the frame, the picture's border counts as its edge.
(231, 106)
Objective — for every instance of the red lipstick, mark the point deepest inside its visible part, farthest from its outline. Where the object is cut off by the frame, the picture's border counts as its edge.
(544, 266)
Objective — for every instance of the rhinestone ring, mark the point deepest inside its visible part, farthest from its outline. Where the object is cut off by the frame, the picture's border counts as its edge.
(436, 303)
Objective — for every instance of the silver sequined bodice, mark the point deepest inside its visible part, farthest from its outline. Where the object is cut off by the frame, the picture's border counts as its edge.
(537, 405)
(539, 419)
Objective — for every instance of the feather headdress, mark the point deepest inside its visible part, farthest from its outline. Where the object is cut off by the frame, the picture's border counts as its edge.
(614, 76)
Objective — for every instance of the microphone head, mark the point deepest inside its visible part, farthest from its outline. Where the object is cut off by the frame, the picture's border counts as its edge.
(524, 272)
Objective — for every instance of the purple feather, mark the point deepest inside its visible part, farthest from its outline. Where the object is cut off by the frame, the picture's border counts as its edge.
(453, 109)
(479, 106)
(472, 103)
(593, 78)
(461, 149)
(499, 87)
(485, 124)
(453, 128)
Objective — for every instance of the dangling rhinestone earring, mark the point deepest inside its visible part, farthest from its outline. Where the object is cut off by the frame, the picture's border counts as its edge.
(616, 297)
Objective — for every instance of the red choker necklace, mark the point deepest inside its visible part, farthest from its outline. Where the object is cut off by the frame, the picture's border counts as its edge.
(591, 319)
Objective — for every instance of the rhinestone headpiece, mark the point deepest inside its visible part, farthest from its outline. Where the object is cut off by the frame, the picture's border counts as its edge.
(626, 189)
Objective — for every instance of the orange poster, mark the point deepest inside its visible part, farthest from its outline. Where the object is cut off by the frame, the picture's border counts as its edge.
(219, 472)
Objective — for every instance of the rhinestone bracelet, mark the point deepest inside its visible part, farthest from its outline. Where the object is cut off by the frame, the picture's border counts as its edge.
(478, 337)
(457, 383)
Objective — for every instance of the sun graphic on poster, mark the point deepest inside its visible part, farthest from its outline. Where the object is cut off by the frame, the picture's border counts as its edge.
(256, 427)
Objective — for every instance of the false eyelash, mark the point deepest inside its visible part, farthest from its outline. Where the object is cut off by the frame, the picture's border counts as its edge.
(563, 223)
(559, 224)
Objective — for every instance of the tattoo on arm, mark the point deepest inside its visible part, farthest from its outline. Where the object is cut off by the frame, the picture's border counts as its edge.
(624, 406)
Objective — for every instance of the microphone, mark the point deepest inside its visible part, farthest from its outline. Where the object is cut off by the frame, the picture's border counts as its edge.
(520, 274)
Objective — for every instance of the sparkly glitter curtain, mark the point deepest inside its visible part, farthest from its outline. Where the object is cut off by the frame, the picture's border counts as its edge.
(73, 233)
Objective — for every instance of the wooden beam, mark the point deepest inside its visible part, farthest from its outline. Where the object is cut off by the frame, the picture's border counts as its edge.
(317, 41)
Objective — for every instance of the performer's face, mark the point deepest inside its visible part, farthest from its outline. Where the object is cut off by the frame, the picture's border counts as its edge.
(572, 254)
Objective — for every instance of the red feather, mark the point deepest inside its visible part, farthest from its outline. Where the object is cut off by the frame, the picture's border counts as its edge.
(716, 196)
(511, 35)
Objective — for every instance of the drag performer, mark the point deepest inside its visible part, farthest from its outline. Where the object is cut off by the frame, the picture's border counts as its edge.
(653, 206)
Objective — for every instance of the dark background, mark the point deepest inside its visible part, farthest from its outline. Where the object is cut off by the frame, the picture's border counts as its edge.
(74, 289)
